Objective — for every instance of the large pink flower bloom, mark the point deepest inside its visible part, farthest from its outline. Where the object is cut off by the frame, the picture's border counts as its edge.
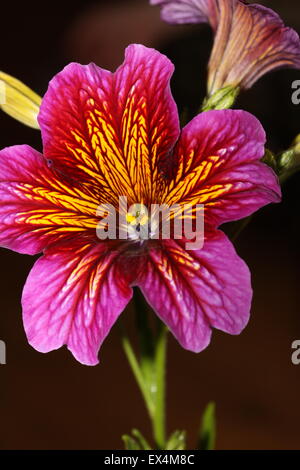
(109, 134)
(250, 40)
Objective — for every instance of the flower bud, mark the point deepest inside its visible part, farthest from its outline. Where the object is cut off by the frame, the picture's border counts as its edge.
(19, 101)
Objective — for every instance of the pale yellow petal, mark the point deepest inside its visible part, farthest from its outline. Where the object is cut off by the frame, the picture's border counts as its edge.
(19, 101)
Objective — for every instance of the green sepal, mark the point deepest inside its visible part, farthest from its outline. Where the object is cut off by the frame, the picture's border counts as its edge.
(222, 99)
(270, 160)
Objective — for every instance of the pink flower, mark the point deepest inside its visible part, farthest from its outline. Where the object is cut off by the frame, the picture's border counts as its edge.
(109, 134)
(250, 40)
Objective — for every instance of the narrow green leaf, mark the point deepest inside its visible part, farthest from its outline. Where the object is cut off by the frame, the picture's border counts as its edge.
(176, 441)
(141, 440)
(136, 369)
(207, 435)
(130, 443)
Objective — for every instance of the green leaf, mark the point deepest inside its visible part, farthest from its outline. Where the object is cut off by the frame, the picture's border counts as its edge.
(141, 440)
(176, 441)
(207, 435)
(130, 443)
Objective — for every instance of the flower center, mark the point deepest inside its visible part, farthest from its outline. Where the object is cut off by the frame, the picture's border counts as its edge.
(138, 222)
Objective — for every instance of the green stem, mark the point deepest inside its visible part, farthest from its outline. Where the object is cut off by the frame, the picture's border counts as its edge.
(150, 370)
(146, 340)
(235, 228)
(159, 421)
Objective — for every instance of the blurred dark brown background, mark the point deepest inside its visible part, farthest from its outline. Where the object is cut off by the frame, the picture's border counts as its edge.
(51, 401)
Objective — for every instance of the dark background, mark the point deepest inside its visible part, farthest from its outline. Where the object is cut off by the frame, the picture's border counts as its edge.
(51, 401)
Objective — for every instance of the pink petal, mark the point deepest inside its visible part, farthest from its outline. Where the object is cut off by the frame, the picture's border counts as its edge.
(116, 128)
(218, 165)
(196, 290)
(38, 206)
(183, 11)
(73, 297)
